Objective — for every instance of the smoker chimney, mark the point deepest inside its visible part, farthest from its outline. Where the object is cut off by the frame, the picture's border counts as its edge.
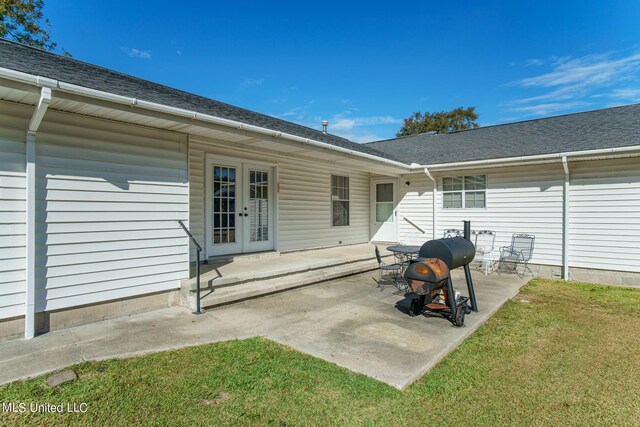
(324, 126)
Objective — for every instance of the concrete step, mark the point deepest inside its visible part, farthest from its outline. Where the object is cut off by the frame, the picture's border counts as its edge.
(217, 296)
(245, 271)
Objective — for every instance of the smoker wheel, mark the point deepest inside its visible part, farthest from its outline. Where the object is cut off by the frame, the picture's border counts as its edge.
(459, 320)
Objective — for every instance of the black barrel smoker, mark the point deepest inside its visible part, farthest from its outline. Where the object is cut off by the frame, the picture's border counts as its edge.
(431, 273)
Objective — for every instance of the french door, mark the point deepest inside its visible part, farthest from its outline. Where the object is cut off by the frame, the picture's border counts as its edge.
(239, 206)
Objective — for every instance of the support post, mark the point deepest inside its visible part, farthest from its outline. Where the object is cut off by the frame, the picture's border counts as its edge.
(30, 290)
(565, 219)
(467, 270)
(31, 241)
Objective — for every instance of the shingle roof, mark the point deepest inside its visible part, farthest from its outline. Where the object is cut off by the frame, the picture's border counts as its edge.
(34, 61)
(606, 128)
(597, 129)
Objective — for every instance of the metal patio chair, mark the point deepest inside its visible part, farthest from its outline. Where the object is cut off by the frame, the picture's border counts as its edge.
(485, 250)
(520, 252)
(452, 232)
(389, 270)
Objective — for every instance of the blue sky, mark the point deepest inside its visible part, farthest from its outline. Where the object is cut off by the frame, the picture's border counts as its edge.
(366, 65)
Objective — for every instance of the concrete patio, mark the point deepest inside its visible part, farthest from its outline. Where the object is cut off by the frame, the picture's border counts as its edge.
(346, 321)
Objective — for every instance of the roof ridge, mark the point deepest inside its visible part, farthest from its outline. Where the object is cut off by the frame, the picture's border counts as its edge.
(508, 123)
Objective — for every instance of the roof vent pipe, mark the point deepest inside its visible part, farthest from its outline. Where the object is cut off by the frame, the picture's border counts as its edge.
(324, 126)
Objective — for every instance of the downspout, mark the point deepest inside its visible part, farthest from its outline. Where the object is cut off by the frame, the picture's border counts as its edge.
(435, 200)
(30, 290)
(565, 220)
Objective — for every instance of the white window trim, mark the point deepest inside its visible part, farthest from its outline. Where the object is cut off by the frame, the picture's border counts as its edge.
(331, 199)
(464, 190)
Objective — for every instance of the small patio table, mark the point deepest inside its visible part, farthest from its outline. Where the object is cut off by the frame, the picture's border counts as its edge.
(404, 254)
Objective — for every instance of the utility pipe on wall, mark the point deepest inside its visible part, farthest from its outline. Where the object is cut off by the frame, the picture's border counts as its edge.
(565, 219)
(435, 200)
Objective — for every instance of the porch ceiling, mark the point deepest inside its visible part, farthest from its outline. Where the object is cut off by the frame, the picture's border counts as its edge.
(71, 103)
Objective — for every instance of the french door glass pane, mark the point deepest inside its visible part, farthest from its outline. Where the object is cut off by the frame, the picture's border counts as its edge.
(258, 206)
(224, 195)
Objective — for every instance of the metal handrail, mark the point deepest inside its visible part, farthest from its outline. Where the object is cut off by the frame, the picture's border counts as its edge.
(198, 250)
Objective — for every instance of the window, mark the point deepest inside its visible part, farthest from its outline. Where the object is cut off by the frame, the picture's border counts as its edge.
(340, 200)
(464, 192)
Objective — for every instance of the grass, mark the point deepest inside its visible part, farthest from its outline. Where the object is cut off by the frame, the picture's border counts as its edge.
(558, 354)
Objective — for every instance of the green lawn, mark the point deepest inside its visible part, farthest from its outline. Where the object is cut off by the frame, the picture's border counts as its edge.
(568, 355)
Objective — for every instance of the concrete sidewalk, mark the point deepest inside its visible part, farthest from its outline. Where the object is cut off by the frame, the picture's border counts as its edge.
(346, 321)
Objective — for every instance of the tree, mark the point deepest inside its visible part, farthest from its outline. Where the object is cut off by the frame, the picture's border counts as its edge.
(440, 122)
(22, 21)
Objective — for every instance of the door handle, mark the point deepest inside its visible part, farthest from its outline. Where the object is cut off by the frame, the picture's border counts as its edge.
(242, 214)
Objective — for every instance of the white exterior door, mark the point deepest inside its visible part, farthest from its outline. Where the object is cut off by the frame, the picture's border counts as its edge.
(384, 210)
(239, 207)
(257, 210)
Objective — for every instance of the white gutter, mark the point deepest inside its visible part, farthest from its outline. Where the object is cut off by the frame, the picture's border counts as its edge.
(565, 220)
(435, 198)
(30, 288)
(134, 102)
(554, 157)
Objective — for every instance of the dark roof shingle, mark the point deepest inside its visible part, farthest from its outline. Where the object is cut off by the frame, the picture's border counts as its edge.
(34, 61)
(607, 128)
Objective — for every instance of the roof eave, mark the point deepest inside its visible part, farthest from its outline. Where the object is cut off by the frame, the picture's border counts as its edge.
(40, 81)
(602, 153)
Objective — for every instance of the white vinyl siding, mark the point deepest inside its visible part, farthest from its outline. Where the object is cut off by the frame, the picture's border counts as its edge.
(108, 200)
(604, 215)
(303, 200)
(415, 205)
(520, 200)
(12, 213)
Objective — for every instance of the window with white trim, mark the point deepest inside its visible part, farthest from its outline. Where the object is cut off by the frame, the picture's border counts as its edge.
(340, 200)
(464, 192)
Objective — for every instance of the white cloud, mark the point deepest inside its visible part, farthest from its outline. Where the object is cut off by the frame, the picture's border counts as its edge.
(345, 123)
(590, 70)
(629, 95)
(137, 53)
(359, 128)
(527, 63)
(549, 108)
(573, 82)
(297, 113)
(341, 123)
(362, 137)
(534, 61)
(250, 82)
